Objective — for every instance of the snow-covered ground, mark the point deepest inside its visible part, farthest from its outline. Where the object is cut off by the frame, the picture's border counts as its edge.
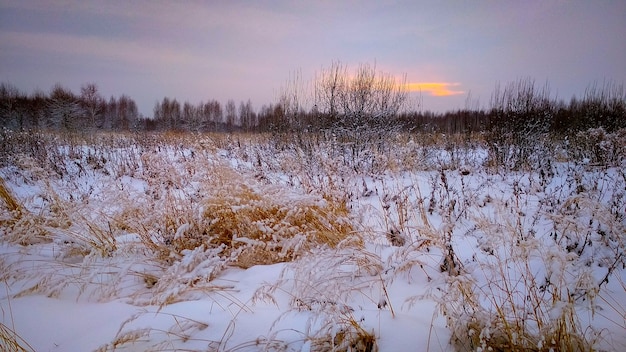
(136, 243)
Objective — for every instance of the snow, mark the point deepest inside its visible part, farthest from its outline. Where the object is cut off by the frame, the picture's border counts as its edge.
(96, 284)
(64, 325)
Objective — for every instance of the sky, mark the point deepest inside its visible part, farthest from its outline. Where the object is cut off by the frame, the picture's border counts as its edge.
(452, 53)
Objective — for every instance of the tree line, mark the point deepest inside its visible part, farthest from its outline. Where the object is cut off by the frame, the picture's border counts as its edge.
(363, 104)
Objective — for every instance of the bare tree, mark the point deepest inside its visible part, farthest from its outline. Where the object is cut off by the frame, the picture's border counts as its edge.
(64, 109)
(37, 108)
(127, 113)
(360, 109)
(174, 114)
(211, 115)
(92, 103)
(167, 114)
(246, 115)
(521, 114)
(9, 114)
(602, 105)
(293, 100)
(231, 114)
(189, 119)
(110, 114)
(366, 98)
(328, 86)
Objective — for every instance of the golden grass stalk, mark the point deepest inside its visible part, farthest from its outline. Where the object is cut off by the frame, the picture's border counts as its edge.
(10, 341)
(265, 228)
(9, 200)
(25, 227)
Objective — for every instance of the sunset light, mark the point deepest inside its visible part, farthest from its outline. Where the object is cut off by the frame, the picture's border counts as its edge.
(436, 89)
(197, 51)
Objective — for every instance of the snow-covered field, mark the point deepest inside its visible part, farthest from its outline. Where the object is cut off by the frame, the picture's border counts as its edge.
(246, 243)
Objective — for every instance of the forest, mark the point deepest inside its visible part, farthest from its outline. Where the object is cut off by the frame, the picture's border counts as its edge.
(339, 99)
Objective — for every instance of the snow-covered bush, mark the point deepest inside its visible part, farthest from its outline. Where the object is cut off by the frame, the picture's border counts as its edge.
(597, 147)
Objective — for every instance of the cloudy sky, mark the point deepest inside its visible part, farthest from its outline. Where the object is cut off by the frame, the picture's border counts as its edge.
(200, 50)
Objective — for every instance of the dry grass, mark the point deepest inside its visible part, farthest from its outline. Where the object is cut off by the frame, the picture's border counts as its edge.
(270, 225)
(255, 223)
(191, 213)
(21, 226)
(9, 200)
(10, 341)
(519, 291)
(526, 295)
(350, 338)
(195, 217)
(235, 221)
(495, 317)
(321, 286)
(181, 331)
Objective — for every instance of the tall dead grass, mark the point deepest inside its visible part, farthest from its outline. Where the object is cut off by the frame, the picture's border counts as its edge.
(174, 211)
(527, 287)
(183, 214)
(9, 200)
(10, 341)
(20, 225)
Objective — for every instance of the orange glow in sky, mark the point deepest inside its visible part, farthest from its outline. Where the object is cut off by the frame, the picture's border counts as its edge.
(436, 89)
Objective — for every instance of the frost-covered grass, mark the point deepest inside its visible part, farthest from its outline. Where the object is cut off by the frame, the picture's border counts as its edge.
(300, 242)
